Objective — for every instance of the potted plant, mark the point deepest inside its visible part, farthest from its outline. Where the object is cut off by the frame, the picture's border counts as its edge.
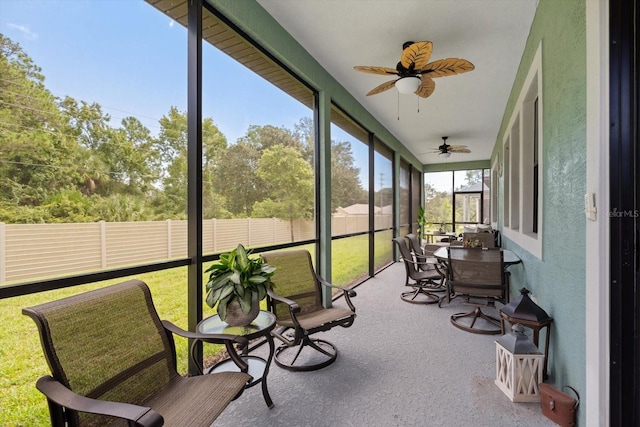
(237, 283)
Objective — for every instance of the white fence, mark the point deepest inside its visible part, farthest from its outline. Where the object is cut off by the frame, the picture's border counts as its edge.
(30, 251)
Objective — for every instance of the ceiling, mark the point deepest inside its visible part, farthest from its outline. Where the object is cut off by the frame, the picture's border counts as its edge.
(467, 107)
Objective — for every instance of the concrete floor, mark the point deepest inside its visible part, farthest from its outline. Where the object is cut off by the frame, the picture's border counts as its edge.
(400, 364)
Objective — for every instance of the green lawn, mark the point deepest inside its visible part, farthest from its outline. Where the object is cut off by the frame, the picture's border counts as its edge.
(22, 361)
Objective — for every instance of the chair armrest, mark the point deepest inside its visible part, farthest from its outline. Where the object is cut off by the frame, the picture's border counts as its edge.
(61, 395)
(213, 338)
(438, 267)
(421, 263)
(348, 293)
(227, 340)
(293, 306)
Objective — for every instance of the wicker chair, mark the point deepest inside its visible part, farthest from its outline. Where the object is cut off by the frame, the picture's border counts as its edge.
(422, 281)
(113, 362)
(477, 274)
(296, 301)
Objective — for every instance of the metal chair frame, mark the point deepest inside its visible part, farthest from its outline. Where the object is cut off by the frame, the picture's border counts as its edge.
(423, 282)
(487, 282)
(300, 321)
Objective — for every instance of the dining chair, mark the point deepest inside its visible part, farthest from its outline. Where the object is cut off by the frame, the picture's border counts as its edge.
(424, 283)
(478, 277)
(424, 260)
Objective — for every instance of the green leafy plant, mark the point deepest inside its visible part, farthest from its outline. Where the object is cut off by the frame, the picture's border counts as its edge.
(422, 222)
(237, 276)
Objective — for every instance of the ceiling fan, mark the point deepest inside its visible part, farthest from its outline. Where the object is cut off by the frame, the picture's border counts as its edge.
(445, 149)
(415, 72)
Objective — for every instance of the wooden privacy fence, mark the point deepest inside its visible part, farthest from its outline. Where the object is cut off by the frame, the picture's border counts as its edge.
(31, 251)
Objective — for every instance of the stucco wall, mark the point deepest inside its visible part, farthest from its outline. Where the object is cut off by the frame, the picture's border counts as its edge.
(558, 280)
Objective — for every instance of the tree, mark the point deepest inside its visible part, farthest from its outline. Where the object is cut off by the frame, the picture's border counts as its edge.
(305, 133)
(289, 185)
(473, 176)
(172, 147)
(238, 182)
(437, 205)
(238, 178)
(89, 127)
(346, 188)
(36, 155)
(265, 137)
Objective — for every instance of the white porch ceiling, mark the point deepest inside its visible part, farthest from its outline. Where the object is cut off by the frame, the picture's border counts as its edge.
(466, 107)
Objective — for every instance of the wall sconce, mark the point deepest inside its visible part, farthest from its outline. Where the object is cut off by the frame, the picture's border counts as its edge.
(528, 314)
(518, 366)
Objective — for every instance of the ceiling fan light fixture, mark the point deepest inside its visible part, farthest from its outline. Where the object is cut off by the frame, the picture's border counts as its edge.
(408, 84)
(445, 154)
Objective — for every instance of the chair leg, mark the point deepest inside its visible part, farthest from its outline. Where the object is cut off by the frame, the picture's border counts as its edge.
(420, 295)
(322, 354)
(475, 315)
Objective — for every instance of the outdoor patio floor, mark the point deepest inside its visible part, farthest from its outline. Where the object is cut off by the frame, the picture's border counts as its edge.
(400, 364)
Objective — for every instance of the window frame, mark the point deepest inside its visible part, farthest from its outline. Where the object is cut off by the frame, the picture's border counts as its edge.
(523, 169)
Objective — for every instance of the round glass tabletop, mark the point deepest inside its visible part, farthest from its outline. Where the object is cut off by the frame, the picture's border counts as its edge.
(261, 325)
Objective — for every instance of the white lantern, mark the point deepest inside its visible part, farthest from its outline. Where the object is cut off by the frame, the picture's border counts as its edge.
(519, 366)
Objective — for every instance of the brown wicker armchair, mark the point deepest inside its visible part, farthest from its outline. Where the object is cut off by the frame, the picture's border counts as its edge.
(113, 363)
(478, 276)
(296, 301)
(423, 282)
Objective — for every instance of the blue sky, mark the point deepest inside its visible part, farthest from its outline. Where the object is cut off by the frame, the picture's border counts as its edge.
(131, 59)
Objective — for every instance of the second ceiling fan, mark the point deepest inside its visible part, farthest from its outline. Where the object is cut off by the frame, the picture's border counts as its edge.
(446, 149)
(415, 72)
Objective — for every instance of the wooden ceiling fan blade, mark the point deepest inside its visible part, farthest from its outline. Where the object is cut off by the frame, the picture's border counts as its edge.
(459, 149)
(426, 88)
(385, 71)
(418, 54)
(432, 151)
(447, 67)
(381, 88)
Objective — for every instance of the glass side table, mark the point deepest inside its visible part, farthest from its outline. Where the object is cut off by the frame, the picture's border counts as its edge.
(258, 366)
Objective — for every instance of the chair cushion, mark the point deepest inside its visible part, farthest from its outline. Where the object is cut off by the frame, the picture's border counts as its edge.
(196, 401)
(321, 317)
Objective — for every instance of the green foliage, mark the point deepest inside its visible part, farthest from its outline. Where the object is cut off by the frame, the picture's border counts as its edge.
(236, 276)
(63, 160)
(238, 182)
(422, 222)
(289, 185)
(68, 206)
(346, 188)
(437, 205)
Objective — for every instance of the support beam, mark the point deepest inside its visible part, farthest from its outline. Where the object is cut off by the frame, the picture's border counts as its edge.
(194, 172)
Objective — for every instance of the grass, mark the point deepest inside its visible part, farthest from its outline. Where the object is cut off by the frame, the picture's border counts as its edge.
(22, 361)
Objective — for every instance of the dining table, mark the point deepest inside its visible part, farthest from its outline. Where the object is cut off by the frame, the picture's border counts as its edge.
(509, 257)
